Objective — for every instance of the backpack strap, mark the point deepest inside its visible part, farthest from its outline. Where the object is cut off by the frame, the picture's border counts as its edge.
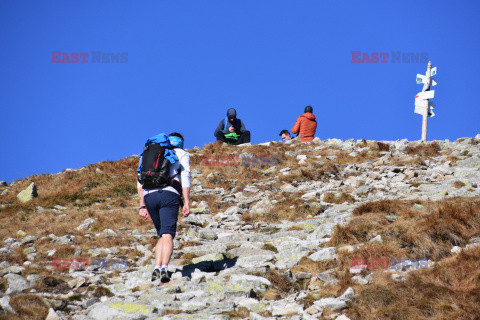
(177, 185)
(237, 121)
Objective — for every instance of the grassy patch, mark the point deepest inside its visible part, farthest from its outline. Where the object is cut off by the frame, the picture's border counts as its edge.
(270, 247)
(28, 306)
(428, 233)
(341, 198)
(427, 149)
(459, 184)
(447, 291)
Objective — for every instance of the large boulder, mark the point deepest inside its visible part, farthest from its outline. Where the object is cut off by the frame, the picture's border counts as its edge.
(28, 194)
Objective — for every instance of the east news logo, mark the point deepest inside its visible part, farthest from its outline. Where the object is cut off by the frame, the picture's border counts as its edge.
(385, 57)
(85, 57)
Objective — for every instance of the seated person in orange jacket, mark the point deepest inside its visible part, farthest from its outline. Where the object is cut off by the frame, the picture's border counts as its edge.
(306, 125)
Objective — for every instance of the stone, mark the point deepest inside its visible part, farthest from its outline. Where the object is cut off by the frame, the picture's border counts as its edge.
(21, 233)
(208, 234)
(29, 239)
(28, 194)
(348, 295)
(5, 304)
(360, 280)
(209, 257)
(342, 317)
(16, 283)
(6, 250)
(377, 238)
(87, 223)
(15, 269)
(66, 239)
(358, 268)
(324, 254)
(312, 310)
(52, 315)
(10, 241)
(330, 303)
(29, 250)
(456, 249)
(3, 183)
(99, 311)
(286, 310)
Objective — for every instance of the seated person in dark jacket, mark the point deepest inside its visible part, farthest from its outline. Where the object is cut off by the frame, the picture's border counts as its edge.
(232, 130)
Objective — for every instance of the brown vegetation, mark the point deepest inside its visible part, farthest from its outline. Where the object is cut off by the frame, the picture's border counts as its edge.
(424, 233)
(28, 307)
(449, 290)
(426, 149)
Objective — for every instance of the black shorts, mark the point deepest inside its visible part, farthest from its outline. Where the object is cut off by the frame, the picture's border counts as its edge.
(163, 208)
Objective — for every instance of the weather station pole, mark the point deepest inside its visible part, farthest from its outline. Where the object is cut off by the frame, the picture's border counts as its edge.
(422, 104)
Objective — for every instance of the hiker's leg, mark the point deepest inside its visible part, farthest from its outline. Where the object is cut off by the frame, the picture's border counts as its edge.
(220, 136)
(244, 138)
(158, 252)
(170, 203)
(152, 201)
(166, 250)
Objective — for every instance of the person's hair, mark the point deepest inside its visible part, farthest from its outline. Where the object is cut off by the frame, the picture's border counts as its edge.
(308, 109)
(176, 134)
(284, 132)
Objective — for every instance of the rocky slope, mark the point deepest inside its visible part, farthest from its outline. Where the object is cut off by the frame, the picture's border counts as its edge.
(273, 234)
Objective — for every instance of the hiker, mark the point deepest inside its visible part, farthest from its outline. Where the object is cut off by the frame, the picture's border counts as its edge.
(162, 182)
(232, 130)
(306, 125)
(285, 135)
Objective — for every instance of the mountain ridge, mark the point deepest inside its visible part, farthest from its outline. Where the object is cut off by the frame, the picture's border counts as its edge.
(321, 230)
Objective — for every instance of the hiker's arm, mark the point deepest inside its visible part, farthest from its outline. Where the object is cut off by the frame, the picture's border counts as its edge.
(242, 126)
(185, 179)
(296, 127)
(141, 212)
(220, 127)
(186, 201)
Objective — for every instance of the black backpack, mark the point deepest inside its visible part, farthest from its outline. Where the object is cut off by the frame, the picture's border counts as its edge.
(154, 170)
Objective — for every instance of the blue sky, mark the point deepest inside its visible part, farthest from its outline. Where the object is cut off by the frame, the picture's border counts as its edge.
(189, 61)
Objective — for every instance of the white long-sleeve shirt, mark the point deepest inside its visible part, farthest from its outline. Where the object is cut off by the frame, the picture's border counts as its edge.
(182, 166)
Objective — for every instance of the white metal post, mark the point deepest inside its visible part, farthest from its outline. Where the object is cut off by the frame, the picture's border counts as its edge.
(422, 103)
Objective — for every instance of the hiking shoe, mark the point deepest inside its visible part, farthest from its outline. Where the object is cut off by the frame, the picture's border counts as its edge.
(156, 274)
(165, 276)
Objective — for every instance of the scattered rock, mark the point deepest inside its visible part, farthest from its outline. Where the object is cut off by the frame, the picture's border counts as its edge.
(16, 283)
(324, 254)
(28, 194)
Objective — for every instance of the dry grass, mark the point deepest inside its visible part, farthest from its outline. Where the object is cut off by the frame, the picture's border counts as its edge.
(428, 233)
(188, 257)
(458, 184)
(279, 281)
(85, 193)
(185, 244)
(270, 247)
(28, 307)
(343, 197)
(307, 265)
(426, 149)
(238, 313)
(450, 290)
(271, 294)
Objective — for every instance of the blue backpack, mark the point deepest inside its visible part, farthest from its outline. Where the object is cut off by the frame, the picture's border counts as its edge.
(154, 168)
